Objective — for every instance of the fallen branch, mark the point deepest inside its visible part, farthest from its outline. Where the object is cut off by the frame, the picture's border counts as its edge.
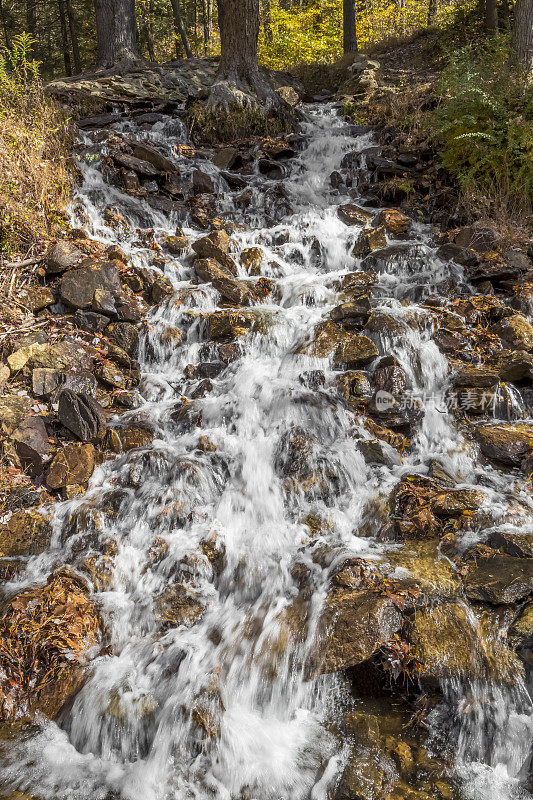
(29, 262)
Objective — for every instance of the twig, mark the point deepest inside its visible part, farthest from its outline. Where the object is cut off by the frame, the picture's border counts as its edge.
(27, 263)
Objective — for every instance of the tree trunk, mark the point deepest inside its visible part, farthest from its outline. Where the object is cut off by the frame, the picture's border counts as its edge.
(349, 28)
(522, 39)
(238, 80)
(64, 37)
(3, 19)
(432, 12)
(116, 34)
(491, 16)
(73, 27)
(504, 15)
(179, 29)
(206, 18)
(150, 32)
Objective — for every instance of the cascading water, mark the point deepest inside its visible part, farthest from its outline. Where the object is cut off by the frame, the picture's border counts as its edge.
(201, 530)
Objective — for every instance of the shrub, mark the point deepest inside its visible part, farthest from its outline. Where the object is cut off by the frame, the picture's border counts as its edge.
(485, 124)
(34, 151)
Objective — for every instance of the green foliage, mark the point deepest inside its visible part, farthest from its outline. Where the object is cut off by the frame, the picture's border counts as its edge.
(19, 71)
(485, 123)
(211, 127)
(34, 149)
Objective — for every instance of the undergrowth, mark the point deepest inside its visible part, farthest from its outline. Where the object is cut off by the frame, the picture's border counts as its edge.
(216, 127)
(34, 152)
(485, 125)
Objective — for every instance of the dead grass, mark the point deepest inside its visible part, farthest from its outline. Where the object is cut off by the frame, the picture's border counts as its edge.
(34, 174)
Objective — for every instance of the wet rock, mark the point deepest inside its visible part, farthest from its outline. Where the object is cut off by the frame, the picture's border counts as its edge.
(202, 182)
(232, 290)
(470, 375)
(355, 351)
(516, 330)
(509, 444)
(98, 120)
(392, 379)
(161, 288)
(215, 247)
(351, 214)
(352, 314)
(72, 465)
(354, 625)
(394, 222)
(13, 411)
(375, 451)
(130, 437)
(30, 441)
(521, 633)
(176, 244)
(82, 415)
(58, 628)
(62, 256)
(369, 239)
(251, 258)
(35, 298)
(510, 365)
(27, 533)
(395, 254)
(499, 580)
(178, 605)
(78, 287)
(353, 386)
(226, 325)
(138, 165)
(228, 158)
(357, 283)
(125, 335)
(145, 152)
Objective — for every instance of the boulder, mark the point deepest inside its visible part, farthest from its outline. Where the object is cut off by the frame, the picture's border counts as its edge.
(72, 465)
(509, 444)
(30, 441)
(232, 290)
(212, 247)
(137, 165)
(251, 258)
(58, 628)
(129, 437)
(478, 239)
(226, 325)
(78, 286)
(202, 182)
(27, 533)
(176, 244)
(161, 288)
(461, 255)
(111, 375)
(519, 545)
(13, 411)
(369, 239)
(36, 298)
(62, 355)
(352, 214)
(345, 347)
(516, 330)
(125, 335)
(228, 158)
(62, 256)
(448, 643)
(45, 381)
(500, 580)
(145, 152)
(394, 222)
(82, 415)
(91, 321)
(353, 626)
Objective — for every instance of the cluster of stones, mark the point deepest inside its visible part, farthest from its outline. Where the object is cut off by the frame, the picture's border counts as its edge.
(385, 634)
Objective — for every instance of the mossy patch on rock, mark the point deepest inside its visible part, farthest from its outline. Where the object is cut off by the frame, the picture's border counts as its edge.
(207, 126)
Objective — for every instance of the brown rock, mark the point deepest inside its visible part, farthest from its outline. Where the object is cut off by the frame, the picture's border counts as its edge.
(351, 214)
(13, 411)
(43, 666)
(369, 239)
(509, 444)
(251, 259)
(30, 441)
(73, 464)
(394, 222)
(207, 248)
(36, 298)
(27, 533)
(62, 256)
(78, 286)
(515, 330)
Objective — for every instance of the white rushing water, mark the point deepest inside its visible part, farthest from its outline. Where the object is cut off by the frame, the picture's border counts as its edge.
(137, 730)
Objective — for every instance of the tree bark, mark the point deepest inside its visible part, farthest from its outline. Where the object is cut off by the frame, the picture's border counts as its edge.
(150, 32)
(64, 37)
(179, 29)
(491, 16)
(73, 27)
(349, 27)
(238, 80)
(116, 33)
(522, 37)
(432, 12)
